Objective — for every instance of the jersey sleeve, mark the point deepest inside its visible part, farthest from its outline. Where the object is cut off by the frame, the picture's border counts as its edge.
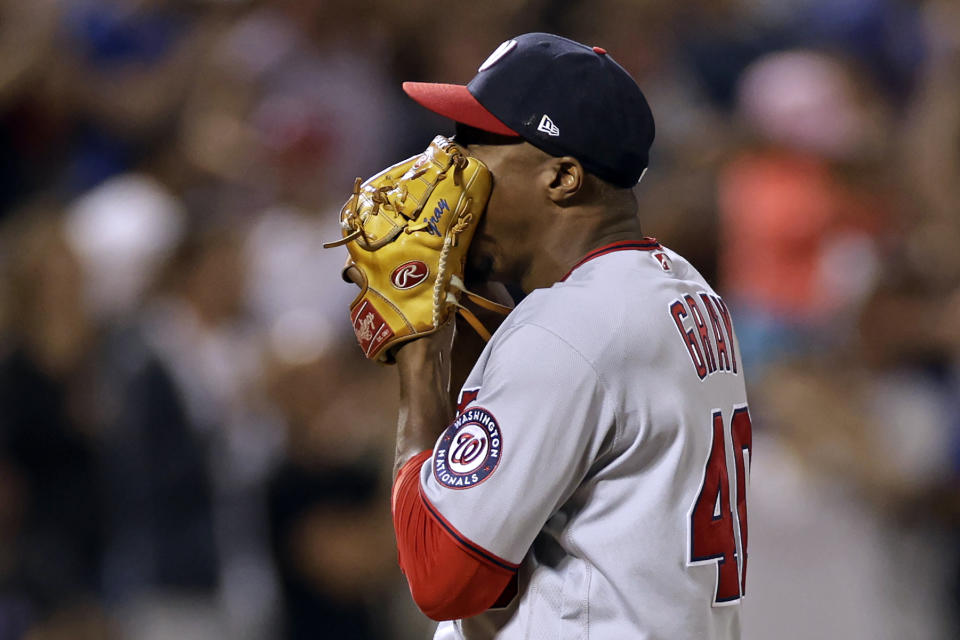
(447, 579)
(521, 446)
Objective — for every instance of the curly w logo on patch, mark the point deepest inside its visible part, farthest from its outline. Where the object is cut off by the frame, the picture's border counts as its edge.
(469, 450)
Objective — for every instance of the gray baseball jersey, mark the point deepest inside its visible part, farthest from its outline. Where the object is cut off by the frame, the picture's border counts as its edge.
(603, 444)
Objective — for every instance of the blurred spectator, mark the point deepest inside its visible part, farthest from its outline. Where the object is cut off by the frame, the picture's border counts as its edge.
(131, 66)
(800, 207)
(50, 510)
(304, 317)
(123, 231)
(329, 509)
(188, 448)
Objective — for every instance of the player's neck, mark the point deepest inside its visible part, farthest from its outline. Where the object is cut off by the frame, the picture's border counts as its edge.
(572, 239)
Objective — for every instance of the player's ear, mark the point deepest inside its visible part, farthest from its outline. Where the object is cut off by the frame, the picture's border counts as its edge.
(567, 178)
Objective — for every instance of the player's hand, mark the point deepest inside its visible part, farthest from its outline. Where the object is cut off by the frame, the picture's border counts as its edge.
(353, 273)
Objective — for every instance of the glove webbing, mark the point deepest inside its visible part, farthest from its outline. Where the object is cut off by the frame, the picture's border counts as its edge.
(351, 219)
(379, 197)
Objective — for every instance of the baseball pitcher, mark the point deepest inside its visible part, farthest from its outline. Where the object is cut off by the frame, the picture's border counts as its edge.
(592, 481)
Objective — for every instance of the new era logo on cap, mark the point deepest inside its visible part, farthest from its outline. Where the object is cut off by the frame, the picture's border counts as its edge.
(546, 125)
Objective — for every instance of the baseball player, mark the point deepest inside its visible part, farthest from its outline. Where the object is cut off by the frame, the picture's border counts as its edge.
(592, 482)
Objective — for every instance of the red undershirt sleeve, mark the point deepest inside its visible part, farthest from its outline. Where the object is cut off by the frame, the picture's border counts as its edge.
(449, 576)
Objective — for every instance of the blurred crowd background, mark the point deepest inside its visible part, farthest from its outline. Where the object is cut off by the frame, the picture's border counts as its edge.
(191, 445)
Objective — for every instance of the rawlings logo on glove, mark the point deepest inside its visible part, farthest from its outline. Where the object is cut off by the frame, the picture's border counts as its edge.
(409, 274)
(407, 230)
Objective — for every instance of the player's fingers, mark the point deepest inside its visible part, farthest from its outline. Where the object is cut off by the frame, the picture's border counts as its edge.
(352, 274)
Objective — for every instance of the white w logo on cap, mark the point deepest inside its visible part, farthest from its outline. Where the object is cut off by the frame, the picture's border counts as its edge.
(499, 52)
(546, 125)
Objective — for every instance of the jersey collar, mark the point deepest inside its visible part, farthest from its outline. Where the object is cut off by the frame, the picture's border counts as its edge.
(647, 244)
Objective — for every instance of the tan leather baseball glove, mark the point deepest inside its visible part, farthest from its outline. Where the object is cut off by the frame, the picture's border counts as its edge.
(407, 230)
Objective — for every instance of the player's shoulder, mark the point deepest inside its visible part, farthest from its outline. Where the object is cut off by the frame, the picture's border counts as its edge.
(610, 296)
(622, 276)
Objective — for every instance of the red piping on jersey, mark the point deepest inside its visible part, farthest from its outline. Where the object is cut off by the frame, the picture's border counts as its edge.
(647, 244)
(479, 551)
(450, 577)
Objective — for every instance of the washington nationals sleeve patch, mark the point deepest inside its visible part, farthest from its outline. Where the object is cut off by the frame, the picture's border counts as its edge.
(469, 450)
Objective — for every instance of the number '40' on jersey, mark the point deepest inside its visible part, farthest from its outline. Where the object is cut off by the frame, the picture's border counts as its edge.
(715, 536)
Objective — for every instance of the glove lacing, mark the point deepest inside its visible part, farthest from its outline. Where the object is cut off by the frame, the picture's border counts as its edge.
(450, 241)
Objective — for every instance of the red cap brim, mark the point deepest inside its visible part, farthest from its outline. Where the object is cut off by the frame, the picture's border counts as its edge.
(454, 101)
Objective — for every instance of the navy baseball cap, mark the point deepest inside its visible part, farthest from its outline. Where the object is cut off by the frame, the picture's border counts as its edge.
(559, 95)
